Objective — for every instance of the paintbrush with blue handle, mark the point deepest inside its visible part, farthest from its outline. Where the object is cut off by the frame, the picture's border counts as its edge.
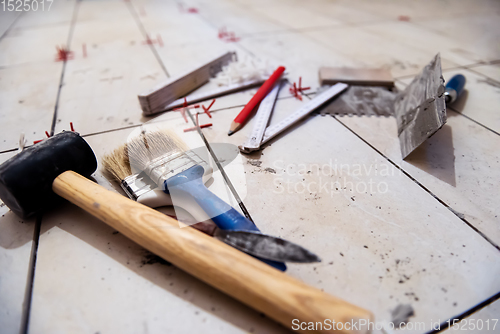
(164, 158)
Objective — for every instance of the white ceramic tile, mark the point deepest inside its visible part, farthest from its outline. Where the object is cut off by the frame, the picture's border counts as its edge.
(414, 36)
(7, 19)
(27, 100)
(491, 71)
(51, 13)
(100, 90)
(295, 17)
(170, 22)
(469, 30)
(343, 11)
(237, 18)
(483, 321)
(301, 56)
(16, 239)
(378, 249)
(375, 50)
(421, 10)
(34, 38)
(99, 11)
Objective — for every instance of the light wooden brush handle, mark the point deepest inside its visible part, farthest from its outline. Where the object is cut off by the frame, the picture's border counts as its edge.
(250, 281)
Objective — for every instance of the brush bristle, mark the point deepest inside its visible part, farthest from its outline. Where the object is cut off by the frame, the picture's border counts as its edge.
(150, 145)
(117, 163)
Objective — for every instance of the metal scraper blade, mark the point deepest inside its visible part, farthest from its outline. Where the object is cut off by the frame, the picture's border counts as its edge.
(420, 109)
(266, 246)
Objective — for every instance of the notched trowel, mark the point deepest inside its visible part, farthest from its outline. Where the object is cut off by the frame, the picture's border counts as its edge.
(420, 109)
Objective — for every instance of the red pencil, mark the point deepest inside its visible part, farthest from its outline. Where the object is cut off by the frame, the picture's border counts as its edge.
(259, 96)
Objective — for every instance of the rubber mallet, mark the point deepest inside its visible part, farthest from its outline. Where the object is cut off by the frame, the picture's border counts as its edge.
(30, 180)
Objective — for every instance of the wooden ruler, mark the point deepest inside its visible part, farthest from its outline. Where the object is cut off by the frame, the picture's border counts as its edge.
(260, 126)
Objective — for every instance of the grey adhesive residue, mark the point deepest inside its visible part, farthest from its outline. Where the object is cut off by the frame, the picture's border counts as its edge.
(255, 163)
(401, 314)
(362, 100)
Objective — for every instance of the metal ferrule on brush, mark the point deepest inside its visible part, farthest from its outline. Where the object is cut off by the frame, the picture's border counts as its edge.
(136, 185)
(166, 166)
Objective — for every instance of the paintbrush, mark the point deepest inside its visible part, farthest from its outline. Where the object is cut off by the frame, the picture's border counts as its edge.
(162, 156)
(148, 157)
(140, 188)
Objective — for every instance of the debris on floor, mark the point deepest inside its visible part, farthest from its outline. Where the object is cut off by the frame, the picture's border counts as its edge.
(401, 315)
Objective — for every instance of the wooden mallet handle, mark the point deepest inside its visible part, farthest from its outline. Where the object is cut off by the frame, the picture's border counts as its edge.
(235, 273)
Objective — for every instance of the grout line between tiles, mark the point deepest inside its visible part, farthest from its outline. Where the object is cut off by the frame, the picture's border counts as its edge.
(465, 67)
(471, 69)
(228, 182)
(206, 21)
(10, 26)
(139, 124)
(423, 187)
(450, 322)
(28, 293)
(295, 30)
(473, 120)
(61, 80)
(36, 233)
(221, 169)
(9, 150)
(138, 21)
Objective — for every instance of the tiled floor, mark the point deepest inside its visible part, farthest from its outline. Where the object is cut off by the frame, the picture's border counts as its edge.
(428, 236)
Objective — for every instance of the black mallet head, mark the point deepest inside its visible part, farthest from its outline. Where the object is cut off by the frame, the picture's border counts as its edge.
(26, 178)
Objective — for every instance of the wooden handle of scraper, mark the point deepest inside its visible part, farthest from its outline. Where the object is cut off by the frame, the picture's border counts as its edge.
(239, 275)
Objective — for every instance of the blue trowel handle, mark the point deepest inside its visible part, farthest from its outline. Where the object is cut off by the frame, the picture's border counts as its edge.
(454, 88)
(189, 182)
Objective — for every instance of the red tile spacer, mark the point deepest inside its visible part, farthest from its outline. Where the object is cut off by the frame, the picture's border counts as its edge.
(160, 40)
(301, 89)
(222, 32)
(206, 110)
(195, 127)
(183, 113)
(47, 134)
(294, 91)
(232, 38)
(71, 126)
(63, 54)
(148, 40)
(37, 141)
(192, 10)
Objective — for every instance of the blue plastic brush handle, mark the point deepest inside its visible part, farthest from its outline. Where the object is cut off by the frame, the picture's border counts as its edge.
(456, 83)
(223, 215)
